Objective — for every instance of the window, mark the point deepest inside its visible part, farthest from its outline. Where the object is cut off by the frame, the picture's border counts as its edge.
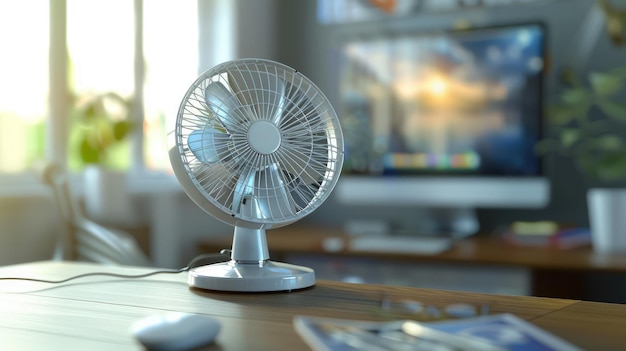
(101, 58)
(23, 83)
(171, 56)
(100, 44)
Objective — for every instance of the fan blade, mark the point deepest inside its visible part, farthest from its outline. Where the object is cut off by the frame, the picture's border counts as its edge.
(306, 142)
(224, 105)
(263, 91)
(274, 200)
(301, 193)
(207, 144)
(242, 195)
(218, 181)
(306, 160)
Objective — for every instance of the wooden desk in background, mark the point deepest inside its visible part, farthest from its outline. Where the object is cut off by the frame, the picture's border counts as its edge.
(95, 313)
(554, 273)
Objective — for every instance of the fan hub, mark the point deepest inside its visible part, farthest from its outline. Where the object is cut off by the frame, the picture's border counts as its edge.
(264, 137)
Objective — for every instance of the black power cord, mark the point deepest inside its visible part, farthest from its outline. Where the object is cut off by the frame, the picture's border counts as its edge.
(197, 261)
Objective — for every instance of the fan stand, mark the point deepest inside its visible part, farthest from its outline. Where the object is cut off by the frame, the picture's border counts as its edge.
(250, 269)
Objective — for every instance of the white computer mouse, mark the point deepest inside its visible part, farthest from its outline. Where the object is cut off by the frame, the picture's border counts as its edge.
(175, 331)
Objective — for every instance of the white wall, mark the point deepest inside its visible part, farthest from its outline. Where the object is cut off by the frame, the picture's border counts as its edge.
(28, 229)
(230, 29)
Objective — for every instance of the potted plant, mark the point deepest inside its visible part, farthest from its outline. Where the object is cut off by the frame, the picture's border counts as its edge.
(589, 119)
(103, 125)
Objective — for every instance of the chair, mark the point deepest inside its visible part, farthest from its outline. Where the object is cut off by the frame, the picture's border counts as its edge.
(84, 239)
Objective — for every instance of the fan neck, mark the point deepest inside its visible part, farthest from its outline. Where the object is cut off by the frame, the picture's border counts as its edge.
(249, 245)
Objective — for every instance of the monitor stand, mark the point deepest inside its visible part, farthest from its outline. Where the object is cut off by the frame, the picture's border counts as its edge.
(450, 222)
(434, 231)
(431, 231)
(454, 222)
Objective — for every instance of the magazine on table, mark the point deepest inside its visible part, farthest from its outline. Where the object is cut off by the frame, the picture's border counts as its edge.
(485, 333)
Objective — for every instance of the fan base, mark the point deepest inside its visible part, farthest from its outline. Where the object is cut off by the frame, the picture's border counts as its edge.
(251, 277)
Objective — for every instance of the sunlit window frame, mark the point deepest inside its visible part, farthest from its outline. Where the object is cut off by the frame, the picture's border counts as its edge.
(27, 183)
(217, 16)
(59, 125)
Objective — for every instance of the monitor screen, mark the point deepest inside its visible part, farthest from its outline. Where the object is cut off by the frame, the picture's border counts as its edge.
(443, 103)
(443, 122)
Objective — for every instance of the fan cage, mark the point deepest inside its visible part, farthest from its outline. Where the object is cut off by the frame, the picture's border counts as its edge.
(268, 179)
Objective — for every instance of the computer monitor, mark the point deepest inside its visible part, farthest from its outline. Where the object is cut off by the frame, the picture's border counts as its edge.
(445, 121)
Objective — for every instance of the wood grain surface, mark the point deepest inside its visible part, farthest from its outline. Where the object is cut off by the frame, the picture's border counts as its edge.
(95, 313)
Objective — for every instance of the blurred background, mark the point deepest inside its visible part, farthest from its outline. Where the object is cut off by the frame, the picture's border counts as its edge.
(97, 84)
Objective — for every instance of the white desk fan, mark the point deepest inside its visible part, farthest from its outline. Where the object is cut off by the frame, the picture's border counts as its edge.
(258, 146)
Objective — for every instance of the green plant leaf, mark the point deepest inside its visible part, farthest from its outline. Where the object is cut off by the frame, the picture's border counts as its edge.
(589, 165)
(619, 72)
(560, 114)
(90, 112)
(569, 77)
(605, 84)
(608, 142)
(613, 109)
(575, 96)
(102, 135)
(121, 129)
(607, 166)
(569, 137)
(612, 166)
(88, 153)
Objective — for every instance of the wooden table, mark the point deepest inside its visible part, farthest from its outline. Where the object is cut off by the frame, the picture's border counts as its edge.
(95, 313)
(554, 273)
